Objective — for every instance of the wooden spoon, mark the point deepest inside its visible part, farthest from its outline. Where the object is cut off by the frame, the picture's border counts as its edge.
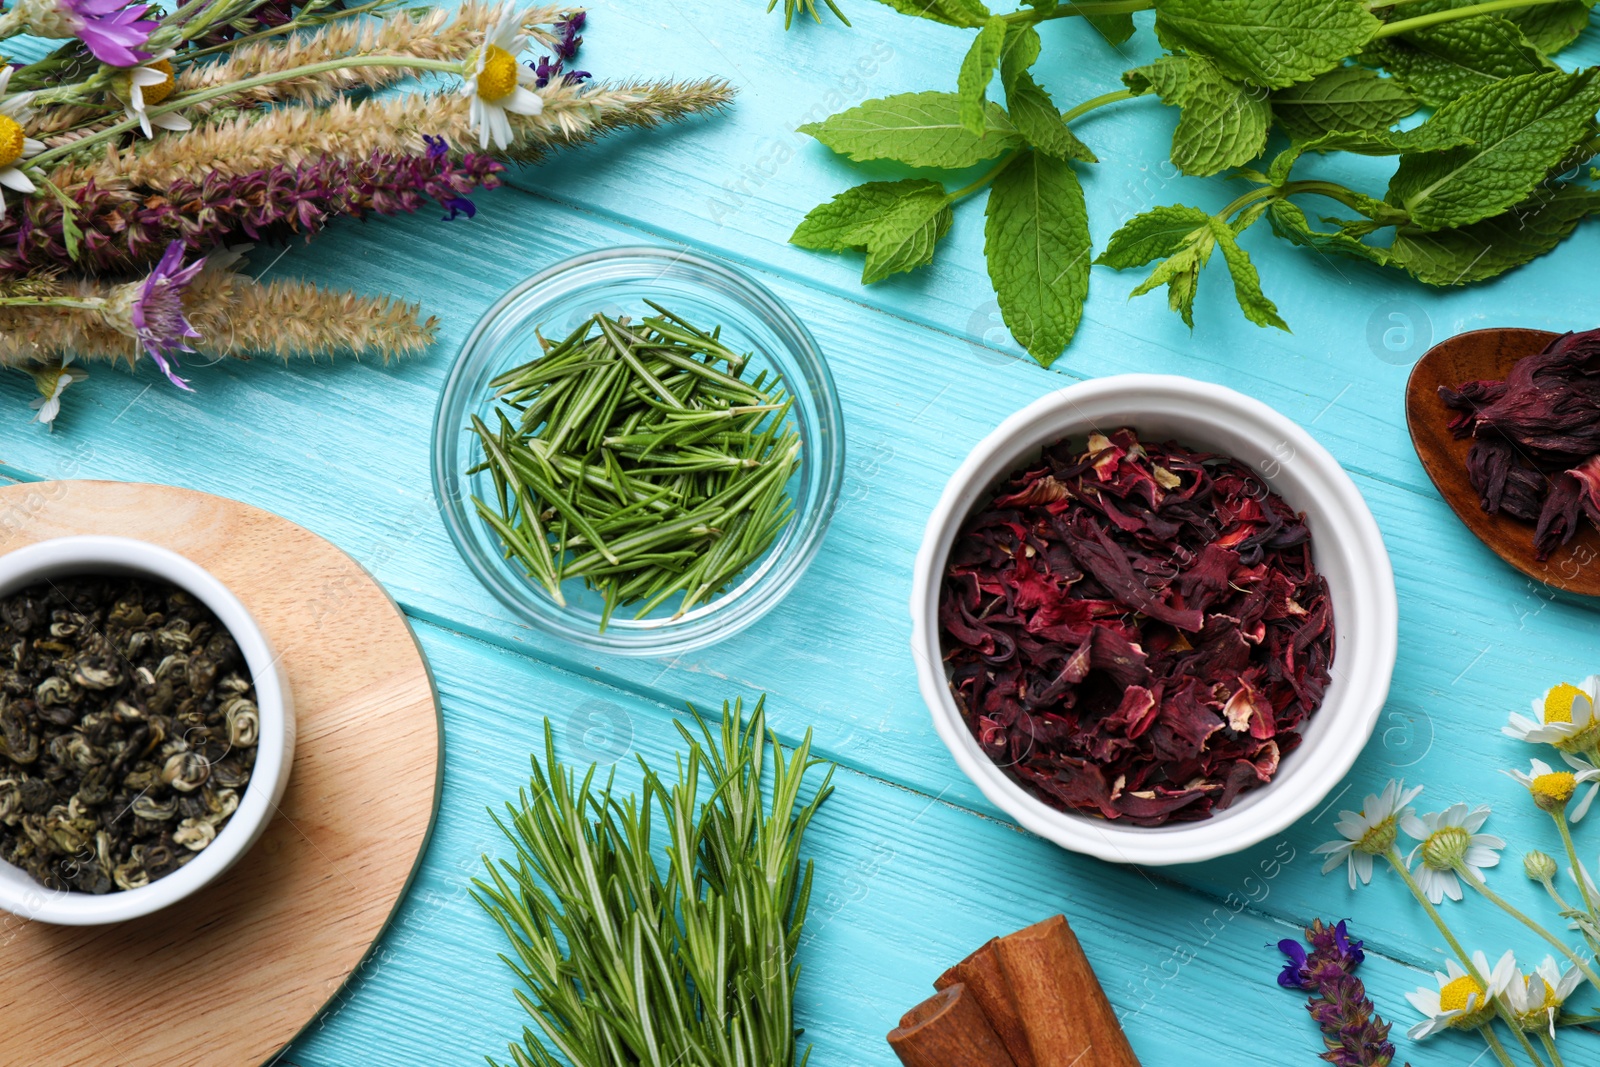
(1464, 358)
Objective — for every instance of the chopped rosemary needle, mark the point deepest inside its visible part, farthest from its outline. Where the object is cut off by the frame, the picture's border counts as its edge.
(639, 458)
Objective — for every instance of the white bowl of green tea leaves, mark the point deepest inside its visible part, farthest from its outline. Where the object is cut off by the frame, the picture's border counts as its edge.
(146, 730)
(639, 450)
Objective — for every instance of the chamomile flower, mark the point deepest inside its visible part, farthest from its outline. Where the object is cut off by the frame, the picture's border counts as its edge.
(1536, 999)
(1461, 1002)
(1553, 790)
(1449, 839)
(498, 84)
(15, 145)
(52, 381)
(1564, 717)
(1367, 833)
(144, 87)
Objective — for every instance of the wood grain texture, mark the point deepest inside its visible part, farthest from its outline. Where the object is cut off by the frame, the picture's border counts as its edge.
(230, 975)
(1472, 356)
(914, 867)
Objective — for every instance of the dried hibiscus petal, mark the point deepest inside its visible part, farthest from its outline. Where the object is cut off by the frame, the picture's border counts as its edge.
(1138, 632)
(1536, 438)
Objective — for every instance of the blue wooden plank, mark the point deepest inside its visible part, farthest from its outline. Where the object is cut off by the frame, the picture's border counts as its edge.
(905, 885)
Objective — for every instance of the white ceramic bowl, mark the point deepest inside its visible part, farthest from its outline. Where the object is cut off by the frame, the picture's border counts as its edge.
(1346, 546)
(64, 556)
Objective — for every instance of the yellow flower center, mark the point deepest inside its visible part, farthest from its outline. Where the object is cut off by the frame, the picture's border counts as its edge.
(1459, 994)
(498, 79)
(1558, 702)
(1379, 839)
(1552, 791)
(154, 94)
(11, 140)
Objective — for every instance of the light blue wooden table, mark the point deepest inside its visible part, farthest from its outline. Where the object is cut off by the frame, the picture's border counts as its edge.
(914, 867)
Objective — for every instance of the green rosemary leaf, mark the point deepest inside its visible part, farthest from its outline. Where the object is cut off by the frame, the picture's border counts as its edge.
(634, 949)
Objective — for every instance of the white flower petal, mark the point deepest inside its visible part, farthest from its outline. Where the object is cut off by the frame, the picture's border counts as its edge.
(15, 179)
(523, 102)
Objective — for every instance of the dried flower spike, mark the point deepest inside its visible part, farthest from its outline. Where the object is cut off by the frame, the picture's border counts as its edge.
(1352, 1030)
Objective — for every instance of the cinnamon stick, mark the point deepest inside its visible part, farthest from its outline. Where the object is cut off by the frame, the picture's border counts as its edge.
(948, 1030)
(986, 983)
(1064, 1012)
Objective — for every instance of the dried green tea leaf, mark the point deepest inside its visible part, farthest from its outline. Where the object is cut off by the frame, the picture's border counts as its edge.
(977, 70)
(1153, 235)
(1349, 98)
(1036, 241)
(1493, 246)
(917, 129)
(1223, 122)
(849, 220)
(969, 13)
(1246, 281)
(1270, 42)
(1441, 63)
(1521, 128)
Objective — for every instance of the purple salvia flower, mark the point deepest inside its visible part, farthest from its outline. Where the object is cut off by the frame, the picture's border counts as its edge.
(114, 31)
(1352, 1030)
(566, 50)
(125, 231)
(157, 312)
(567, 47)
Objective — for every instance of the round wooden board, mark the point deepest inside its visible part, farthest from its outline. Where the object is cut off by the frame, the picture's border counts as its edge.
(230, 976)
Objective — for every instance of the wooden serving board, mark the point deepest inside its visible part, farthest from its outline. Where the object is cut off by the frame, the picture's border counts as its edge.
(231, 975)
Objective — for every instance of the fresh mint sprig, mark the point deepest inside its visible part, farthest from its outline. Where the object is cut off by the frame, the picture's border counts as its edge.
(1483, 185)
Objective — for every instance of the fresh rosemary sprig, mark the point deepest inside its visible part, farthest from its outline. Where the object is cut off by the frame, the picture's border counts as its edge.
(638, 458)
(630, 958)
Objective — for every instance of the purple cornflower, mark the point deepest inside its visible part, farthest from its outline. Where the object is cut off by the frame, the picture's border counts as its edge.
(157, 312)
(113, 31)
(1352, 1030)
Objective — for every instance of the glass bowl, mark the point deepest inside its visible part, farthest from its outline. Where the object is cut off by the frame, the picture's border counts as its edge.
(618, 281)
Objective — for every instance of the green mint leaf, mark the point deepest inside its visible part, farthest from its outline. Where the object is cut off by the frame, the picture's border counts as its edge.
(1289, 222)
(1036, 240)
(1246, 282)
(968, 13)
(1521, 128)
(1551, 27)
(977, 70)
(905, 239)
(1441, 63)
(1035, 116)
(1114, 28)
(1349, 98)
(1156, 234)
(1030, 108)
(1021, 51)
(1180, 273)
(1493, 246)
(1274, 43)
(850, 220)
(917, 129)
(1223, 123)
(1431, 136)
